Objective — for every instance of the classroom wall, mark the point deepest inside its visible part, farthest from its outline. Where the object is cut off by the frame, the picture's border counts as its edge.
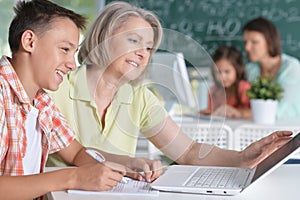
(6, 15)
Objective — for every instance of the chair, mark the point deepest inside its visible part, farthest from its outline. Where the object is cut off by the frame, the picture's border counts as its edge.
(217, 134)
(248, 133)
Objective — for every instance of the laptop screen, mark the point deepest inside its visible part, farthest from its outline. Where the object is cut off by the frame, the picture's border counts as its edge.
(277, 156)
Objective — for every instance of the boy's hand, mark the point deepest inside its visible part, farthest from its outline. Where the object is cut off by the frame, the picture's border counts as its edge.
(98, 177)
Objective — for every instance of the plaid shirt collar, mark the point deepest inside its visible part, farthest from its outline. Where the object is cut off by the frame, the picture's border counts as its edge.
(8, 72)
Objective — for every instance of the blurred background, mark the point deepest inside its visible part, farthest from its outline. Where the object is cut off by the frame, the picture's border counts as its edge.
(194, 27)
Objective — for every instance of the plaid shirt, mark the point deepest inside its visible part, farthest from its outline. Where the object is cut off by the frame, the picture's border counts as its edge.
(14, 106)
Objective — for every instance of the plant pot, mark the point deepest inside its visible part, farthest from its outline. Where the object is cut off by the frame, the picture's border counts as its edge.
(264, 111)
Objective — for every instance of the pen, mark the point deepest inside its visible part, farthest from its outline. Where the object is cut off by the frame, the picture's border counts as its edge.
(100, 158)
(96, 155)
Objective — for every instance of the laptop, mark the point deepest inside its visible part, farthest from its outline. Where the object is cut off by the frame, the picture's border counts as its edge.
(222, 180)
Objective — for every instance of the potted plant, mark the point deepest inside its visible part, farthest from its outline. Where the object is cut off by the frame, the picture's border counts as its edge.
(264, 95)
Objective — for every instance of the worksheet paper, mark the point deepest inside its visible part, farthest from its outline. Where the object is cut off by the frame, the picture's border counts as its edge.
(131, 187)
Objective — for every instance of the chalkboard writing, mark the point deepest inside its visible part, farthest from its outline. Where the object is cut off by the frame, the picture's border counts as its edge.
(217, 22)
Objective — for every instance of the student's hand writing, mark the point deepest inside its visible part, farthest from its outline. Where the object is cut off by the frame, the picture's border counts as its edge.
(151, 169)
(98, 177)
(259, 150)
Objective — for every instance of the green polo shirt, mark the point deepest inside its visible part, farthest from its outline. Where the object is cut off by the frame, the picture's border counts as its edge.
(134, 109)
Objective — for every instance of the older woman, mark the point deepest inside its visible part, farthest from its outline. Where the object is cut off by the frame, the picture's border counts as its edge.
(109, 108)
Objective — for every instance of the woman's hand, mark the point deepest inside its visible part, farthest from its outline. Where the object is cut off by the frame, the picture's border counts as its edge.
(151, 169)
(258, 151)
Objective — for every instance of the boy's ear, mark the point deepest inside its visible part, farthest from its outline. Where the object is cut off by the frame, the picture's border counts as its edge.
(27, 40)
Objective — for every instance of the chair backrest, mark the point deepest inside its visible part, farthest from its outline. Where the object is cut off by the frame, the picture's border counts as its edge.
(246, 134)
(217, 134)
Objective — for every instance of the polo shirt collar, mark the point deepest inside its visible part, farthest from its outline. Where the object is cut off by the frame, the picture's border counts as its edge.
(78, 84)
(79, 88)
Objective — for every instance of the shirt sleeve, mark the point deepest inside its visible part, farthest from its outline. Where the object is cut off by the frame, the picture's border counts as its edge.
(61, 134)
(153, 111)
(3, 129)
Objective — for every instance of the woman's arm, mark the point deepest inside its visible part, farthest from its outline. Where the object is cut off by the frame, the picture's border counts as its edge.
(175, 144)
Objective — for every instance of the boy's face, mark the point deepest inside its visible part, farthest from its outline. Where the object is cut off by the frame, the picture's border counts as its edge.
(53, 53)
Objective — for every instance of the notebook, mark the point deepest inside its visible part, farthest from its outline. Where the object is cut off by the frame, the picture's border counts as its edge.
(128, 187)
(222, 180)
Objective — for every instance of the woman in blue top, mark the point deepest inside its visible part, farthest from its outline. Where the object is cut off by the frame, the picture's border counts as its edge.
(263, 47)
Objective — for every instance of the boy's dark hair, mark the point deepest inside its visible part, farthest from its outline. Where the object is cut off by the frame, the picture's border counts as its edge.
(269, 31)
(234, 56)
(37, 15)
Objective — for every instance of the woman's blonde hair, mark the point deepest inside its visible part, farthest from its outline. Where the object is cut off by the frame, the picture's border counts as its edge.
(95, 47)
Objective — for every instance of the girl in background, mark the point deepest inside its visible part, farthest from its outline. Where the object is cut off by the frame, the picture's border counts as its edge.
(228, 96)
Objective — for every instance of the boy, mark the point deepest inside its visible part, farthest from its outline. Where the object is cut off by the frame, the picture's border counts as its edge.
(43, 38)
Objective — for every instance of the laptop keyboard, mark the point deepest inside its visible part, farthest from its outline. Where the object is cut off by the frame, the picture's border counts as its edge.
(219, 178)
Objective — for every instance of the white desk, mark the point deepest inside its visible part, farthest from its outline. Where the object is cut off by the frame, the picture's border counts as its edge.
(283, 183)
(234, 123)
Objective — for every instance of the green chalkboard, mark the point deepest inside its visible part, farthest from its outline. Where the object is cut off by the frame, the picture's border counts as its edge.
(211, 23)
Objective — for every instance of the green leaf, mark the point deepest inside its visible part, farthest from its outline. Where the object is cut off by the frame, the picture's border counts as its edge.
(265, 88)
